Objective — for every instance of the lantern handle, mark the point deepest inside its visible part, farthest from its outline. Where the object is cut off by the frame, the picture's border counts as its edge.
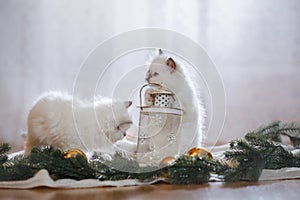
(147, 84)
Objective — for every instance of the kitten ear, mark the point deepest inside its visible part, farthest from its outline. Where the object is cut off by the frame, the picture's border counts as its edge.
(127, 103)
(171, 63)
(160, 52)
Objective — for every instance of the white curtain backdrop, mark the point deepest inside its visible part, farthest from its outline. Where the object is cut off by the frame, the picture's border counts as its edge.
(254, 44)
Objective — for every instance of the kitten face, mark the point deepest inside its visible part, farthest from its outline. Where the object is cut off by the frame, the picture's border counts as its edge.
(120, 131)
(160, 70)
(116, 129)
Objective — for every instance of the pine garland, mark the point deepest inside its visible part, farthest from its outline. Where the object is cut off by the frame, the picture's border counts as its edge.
(260, 149)
(191, 170)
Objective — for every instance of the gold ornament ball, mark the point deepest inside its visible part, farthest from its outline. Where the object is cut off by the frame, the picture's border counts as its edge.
(199, 152)
(72, 153)
(167, 161)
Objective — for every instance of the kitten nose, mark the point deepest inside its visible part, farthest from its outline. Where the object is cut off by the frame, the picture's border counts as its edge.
(148, 76)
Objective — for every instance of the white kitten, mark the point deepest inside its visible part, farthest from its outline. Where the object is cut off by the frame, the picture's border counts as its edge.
(164, 71)
(99, 123)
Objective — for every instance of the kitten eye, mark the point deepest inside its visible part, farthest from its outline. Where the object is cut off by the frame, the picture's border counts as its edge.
(155, 74)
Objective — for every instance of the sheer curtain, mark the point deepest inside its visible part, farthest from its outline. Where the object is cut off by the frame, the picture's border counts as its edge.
(254, 44)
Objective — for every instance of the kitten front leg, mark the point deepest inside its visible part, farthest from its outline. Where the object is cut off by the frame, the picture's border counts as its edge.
(149, 100)
(126, 146)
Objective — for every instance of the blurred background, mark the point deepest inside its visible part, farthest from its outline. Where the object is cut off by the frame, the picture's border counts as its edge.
(254, 44)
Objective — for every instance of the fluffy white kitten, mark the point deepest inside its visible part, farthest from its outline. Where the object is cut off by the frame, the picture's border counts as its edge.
(165, 71)
(99, 123)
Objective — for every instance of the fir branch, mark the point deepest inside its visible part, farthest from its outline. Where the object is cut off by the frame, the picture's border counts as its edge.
(13, 169)
(292, 130)
(267, 132)
(59, 167)
(279, 158)
(250, 161)
(274, 130)
(259, 151)
(4, 149)
(191, 170)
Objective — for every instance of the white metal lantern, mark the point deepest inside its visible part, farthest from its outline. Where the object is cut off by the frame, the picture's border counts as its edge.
(159, 123)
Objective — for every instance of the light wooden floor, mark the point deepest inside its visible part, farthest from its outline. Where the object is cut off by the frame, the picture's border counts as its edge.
(285, 189)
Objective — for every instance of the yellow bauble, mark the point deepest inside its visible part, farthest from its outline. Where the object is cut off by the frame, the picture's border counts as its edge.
(198, 152)
(72, 153)
(167, 161)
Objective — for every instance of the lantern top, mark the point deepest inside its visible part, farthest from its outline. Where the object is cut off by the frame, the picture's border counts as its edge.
(160, 91)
